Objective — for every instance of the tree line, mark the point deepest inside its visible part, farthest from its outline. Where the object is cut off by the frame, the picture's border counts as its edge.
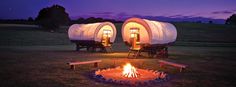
(51, 18)
(231, 20)
(93, 20)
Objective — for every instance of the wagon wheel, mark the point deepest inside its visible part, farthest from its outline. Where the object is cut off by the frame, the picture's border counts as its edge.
(91, 49)
(78, 47)
(163, 52)
(158, 52)
(102, 49)
(87, 48)
(151, 53)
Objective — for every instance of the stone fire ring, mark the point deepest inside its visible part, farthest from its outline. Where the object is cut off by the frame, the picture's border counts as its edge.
(114, 75)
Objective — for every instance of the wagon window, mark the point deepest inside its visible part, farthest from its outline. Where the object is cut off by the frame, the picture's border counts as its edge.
(107, 33)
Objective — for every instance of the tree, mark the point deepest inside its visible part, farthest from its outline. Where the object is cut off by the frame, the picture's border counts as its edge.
(52, 17)
(210, 22)
(30, 19)
(80, 20)
(231, 20)
(199, 22)
(91, 20)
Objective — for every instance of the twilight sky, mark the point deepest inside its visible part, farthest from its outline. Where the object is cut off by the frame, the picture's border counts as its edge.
(216, 9)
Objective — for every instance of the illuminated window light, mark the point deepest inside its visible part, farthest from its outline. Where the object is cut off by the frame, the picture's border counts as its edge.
(133, 30)
(132, 35)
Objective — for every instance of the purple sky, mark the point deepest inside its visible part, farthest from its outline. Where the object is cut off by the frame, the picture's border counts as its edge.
(216, 9)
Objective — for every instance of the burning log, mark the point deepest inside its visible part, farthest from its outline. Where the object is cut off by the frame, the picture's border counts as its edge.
(129, 71)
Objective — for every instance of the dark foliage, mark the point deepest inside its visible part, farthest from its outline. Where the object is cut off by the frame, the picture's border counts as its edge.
(30, 19)
(210, 22)
(18, 21)
(93, 20)
(231, 20)
(199, 22)
(52, 17)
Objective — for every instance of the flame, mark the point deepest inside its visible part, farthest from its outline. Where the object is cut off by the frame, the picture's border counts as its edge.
(129, 71)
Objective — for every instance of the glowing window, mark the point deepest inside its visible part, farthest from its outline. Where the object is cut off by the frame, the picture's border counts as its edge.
(107, 33)
(133, 32)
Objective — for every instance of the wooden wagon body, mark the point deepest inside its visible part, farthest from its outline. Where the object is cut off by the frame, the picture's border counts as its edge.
(91, 45)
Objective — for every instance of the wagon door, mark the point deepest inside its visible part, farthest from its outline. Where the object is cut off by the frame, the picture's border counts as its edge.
(106, 35)
(135, 38)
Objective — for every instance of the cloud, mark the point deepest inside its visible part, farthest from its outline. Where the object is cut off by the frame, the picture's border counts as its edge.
(174, 16)
(224, 12)
(123, 14)
(181, 16)
(102, 13)
(108, 15)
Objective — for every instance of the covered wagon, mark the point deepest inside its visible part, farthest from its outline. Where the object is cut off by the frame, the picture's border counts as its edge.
(92, 36)
(147, 35)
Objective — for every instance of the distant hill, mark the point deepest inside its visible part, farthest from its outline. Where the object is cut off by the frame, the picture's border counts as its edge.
(161, 18)
(183, 19)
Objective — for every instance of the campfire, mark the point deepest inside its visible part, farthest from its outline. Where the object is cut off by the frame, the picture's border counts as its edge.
(128, 74)
(129, 71)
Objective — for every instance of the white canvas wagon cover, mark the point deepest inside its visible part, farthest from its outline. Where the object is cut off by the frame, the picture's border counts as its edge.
(91, 32)
(151, 32)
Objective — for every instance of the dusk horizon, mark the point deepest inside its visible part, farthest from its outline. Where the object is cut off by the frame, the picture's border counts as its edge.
(121, 10)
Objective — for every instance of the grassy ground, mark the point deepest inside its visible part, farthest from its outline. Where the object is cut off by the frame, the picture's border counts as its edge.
(35, 58)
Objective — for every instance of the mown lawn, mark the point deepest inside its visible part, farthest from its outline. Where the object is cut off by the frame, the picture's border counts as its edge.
(36, 58)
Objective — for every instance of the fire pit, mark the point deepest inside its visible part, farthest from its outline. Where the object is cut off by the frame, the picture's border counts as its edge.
(128, 74)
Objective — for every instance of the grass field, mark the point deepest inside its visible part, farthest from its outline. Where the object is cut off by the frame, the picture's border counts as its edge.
(36, 58)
